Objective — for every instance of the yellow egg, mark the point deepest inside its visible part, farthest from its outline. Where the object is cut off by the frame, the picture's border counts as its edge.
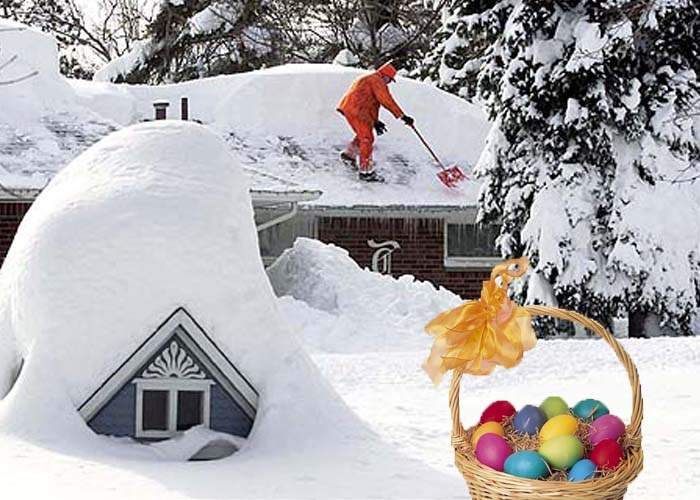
(487, 428)
(561, 425)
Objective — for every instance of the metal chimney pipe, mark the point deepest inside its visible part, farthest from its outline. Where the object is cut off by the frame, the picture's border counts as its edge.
(161, 109)
(184, 108)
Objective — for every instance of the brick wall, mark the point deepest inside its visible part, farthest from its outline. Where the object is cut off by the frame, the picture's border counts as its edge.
(421, 252)
(11, 214)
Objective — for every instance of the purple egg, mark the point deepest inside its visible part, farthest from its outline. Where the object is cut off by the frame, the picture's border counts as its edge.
(606, 427)
(529, 420)
(492, 451)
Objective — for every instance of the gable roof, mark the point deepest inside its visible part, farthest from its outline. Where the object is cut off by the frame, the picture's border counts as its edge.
(181, 324)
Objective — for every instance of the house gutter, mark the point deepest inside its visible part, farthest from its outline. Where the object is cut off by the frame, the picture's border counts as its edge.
(281, 218)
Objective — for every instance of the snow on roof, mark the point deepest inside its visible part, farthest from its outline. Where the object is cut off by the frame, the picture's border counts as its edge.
(281, 123)
(140, 224)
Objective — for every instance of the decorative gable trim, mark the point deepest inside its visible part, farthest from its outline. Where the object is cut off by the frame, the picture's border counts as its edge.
(180, 325)
(173, 362)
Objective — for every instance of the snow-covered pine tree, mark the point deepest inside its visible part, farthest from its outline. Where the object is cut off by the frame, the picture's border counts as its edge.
(468, 31)
(568, 86)
(655, 234)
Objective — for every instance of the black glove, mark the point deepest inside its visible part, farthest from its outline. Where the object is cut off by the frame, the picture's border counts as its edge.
(380, 127)
(407, 120)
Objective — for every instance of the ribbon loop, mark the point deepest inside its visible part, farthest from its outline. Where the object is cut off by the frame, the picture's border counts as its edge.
(478, 335)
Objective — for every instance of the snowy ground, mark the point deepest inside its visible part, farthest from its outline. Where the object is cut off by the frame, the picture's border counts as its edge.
(371, 354)
(389, 391)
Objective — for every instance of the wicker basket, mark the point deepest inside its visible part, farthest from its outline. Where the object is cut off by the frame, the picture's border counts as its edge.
(487, 484)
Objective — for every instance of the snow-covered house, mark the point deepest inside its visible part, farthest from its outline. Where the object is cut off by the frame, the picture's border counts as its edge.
(176, 379)
(283, 126)
(144, 290)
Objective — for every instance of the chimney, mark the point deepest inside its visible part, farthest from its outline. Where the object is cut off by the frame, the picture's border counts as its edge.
(184, 108)
(161, 109)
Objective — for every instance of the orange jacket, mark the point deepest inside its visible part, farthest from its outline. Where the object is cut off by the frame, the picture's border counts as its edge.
(365, 95)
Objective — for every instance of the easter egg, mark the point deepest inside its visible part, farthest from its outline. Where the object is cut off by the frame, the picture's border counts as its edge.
(492, 450)
(497, 411)
(606, 427)
(561, 425)
(529, 420)
(562, 452)
(582, 470)
(488, 427)
(553, 406)
(607, 454)
(529, 464)
(589, 409)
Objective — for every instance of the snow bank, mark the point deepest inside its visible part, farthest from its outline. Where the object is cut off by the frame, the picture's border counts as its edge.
(153, 217)
(339, 307)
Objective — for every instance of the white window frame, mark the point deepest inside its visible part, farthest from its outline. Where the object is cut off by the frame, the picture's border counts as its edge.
(172, 386)
(464, 262)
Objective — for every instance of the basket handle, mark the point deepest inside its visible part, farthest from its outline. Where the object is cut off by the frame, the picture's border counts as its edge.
(634, 429)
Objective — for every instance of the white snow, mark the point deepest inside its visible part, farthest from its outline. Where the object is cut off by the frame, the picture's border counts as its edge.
(154, 217)
(42, 126)
(385, 386)
(342, 308)
(280, 121)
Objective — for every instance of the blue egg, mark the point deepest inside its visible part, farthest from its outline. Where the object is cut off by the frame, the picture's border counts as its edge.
(529, 420)
(582, 470)
(589, 409)
(528, 464)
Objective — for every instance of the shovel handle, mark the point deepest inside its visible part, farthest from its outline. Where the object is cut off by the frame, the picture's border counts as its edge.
(425, 143)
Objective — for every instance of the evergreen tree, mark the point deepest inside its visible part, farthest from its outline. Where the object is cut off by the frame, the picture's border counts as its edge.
(468, 31)
(591, 103)
(654, 253)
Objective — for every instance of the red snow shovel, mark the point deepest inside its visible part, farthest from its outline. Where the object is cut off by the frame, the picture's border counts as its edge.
(451, 176)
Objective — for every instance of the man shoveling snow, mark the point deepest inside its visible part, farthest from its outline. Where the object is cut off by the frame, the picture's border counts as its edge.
(360, 107)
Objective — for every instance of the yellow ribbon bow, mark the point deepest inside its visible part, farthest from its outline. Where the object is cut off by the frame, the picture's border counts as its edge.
(480, 334)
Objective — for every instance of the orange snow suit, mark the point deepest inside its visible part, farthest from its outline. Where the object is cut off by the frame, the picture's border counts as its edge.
(360, 106)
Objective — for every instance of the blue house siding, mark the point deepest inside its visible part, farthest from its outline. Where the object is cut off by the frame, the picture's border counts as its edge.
(118, 416)
(226, 415)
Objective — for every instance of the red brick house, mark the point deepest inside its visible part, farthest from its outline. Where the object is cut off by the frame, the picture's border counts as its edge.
(440, 244)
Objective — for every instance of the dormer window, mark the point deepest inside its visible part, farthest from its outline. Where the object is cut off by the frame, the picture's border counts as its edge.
(173, 394)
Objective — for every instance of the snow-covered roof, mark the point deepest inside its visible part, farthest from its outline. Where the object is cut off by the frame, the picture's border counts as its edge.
(280, 122)
(140, 224)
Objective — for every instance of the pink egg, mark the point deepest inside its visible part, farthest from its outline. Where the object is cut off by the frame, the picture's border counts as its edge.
(606, 427)
(492, 451)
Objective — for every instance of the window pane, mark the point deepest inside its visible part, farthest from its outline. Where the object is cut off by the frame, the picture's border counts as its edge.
(472, 240)
(155, 410)
(189, 409)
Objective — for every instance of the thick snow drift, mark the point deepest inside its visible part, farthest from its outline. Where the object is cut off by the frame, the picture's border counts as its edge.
(338, 307)
(154, 217)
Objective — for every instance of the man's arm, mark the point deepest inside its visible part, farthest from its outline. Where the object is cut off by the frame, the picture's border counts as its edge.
(381, 92)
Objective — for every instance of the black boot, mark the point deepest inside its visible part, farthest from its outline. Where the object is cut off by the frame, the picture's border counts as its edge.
(371, 177)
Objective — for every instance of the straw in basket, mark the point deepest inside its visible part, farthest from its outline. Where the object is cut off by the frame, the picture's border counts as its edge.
(479, 335)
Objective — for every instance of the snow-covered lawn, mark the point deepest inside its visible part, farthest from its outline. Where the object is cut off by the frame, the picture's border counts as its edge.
(392, 395)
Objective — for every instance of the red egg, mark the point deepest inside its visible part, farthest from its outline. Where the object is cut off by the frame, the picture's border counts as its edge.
(607, 454)
(497, 411)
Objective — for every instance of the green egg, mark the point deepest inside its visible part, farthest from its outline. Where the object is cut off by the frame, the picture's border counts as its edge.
(553, 406)
(562, 452)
